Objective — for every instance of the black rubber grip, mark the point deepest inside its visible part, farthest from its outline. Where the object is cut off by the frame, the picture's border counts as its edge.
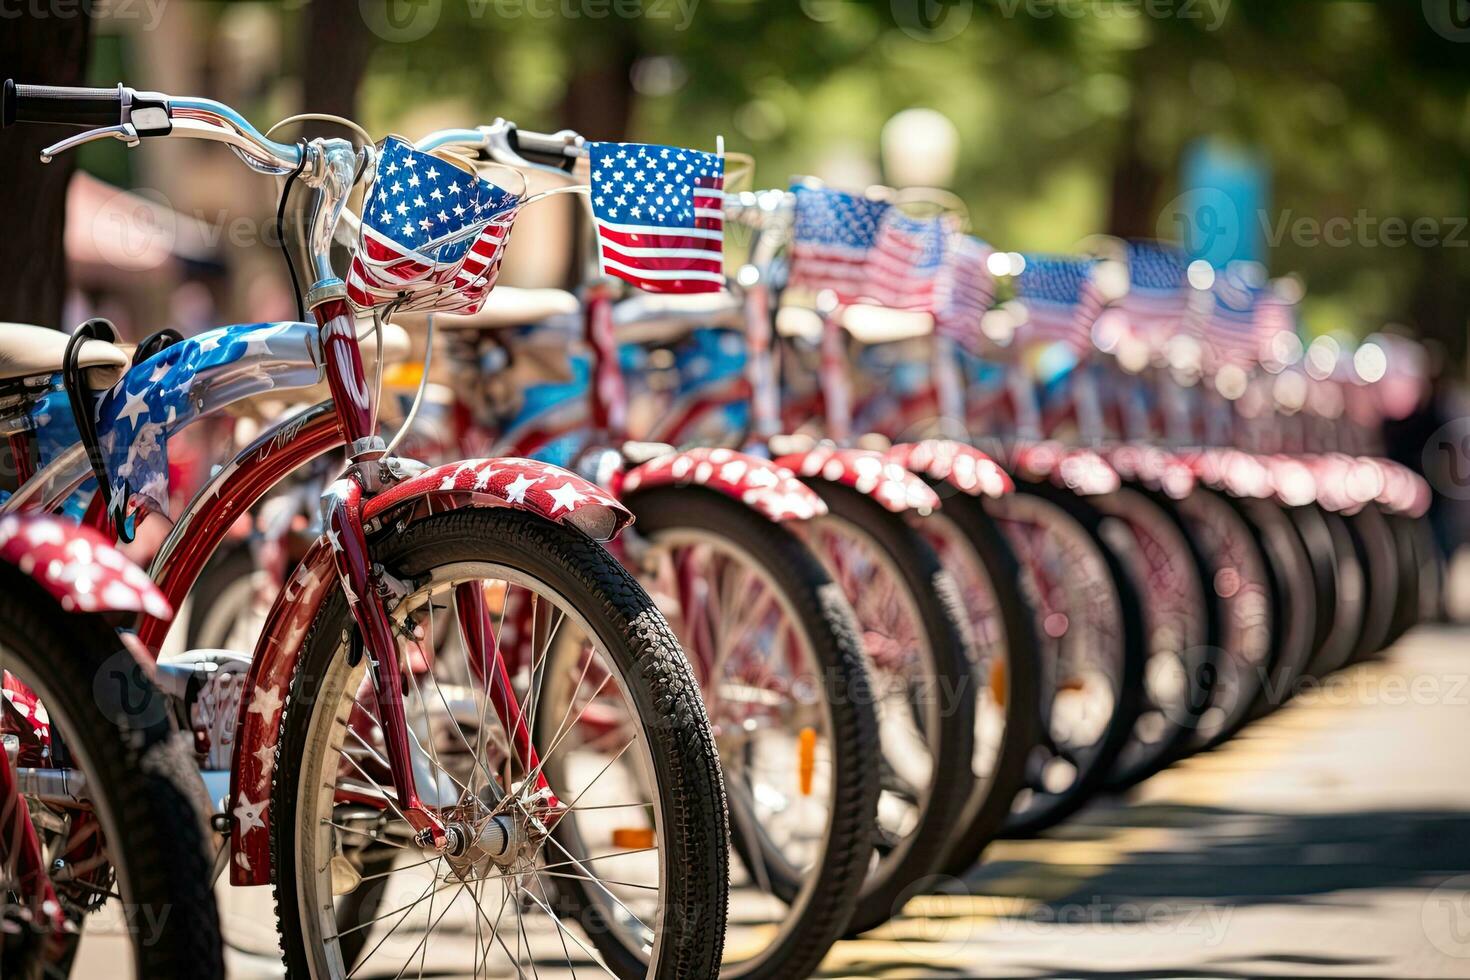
(61, 105)
(543, 148)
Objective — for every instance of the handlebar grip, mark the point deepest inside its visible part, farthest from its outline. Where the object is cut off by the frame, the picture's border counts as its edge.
(553, 149)
(61, 105)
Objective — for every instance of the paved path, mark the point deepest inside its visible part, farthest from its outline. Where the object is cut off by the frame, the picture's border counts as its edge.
(1331, 839)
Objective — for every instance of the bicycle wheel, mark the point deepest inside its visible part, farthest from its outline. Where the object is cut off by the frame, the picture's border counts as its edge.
(1183, 624)
(1240, 581)
(917, 659)
(1379, 557)
(1090, 625)
(125, 856)
(1347, 616)
(1406, 610)
(611, 848)
(1005, 661)
(775, 648)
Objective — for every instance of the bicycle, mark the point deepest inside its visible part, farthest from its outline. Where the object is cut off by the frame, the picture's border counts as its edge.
(403, 541)
(97, 820)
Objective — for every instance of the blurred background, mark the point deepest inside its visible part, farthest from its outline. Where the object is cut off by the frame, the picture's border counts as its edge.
(1327, 140)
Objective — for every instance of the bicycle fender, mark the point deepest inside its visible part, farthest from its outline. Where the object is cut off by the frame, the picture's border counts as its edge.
(78, 567)
(963, 467)
(523, 484)
(1081, 471)
(868, 472)
(764, 486)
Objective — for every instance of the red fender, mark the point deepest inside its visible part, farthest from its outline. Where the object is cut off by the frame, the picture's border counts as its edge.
(1082, 471)
(868, 472)
(1156, 468)
(524, 484)
(963, 467)
(550, 491)
(78, 566)
(1404, 491)
(768, 487)
(1231, 471)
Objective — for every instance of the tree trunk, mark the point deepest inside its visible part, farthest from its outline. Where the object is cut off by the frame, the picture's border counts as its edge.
(52, 51)
(334, 58)
(1135, 183)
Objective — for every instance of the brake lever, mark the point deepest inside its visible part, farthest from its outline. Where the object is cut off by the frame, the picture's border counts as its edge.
(125, 132)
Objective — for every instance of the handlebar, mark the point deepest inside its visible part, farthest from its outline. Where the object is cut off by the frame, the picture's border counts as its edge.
(126, 114)
(507, 144)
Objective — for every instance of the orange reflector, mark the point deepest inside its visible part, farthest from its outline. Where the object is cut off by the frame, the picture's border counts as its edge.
(1071, 684)
(405, 375)
(998, 682)
(632, 838)
(806, 762)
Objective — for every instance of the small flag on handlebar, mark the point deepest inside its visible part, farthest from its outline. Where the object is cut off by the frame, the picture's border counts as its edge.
(660, 216)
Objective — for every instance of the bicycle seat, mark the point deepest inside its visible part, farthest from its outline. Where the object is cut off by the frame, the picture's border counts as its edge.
(28, 351)
(506, 306)
(650, 318)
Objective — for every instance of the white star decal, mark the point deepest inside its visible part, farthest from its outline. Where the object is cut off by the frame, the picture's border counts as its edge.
(564, 497)
(134, 405)
(515, 491)
(266, 703)
(250, 814)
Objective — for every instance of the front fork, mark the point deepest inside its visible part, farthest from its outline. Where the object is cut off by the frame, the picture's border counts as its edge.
(363, 584)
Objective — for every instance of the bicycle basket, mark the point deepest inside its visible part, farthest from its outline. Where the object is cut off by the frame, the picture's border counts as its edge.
(432, 232)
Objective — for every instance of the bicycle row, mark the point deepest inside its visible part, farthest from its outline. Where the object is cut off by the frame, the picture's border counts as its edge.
(672, 631)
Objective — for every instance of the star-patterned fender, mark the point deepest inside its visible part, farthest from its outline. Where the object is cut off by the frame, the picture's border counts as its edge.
(769, 488)
(868, 472)
(1082, 471)
(524, 484)
(1404, 491)
(1231, 471)
(78, 566)
(184, 381)
(1292, 481)
(1157, 469)
(963, 467)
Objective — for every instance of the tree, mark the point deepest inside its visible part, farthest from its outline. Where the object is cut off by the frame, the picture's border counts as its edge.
(39, 50)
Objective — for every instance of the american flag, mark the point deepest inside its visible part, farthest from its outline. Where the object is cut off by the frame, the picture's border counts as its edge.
(1060, 299)
(1157, 303)
(1231, 329)
(422, 219)
(905, 260)
(660, 213)
(831, 239)
(964, 289)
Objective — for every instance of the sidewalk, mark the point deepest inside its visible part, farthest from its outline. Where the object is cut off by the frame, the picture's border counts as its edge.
(1331, 839)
